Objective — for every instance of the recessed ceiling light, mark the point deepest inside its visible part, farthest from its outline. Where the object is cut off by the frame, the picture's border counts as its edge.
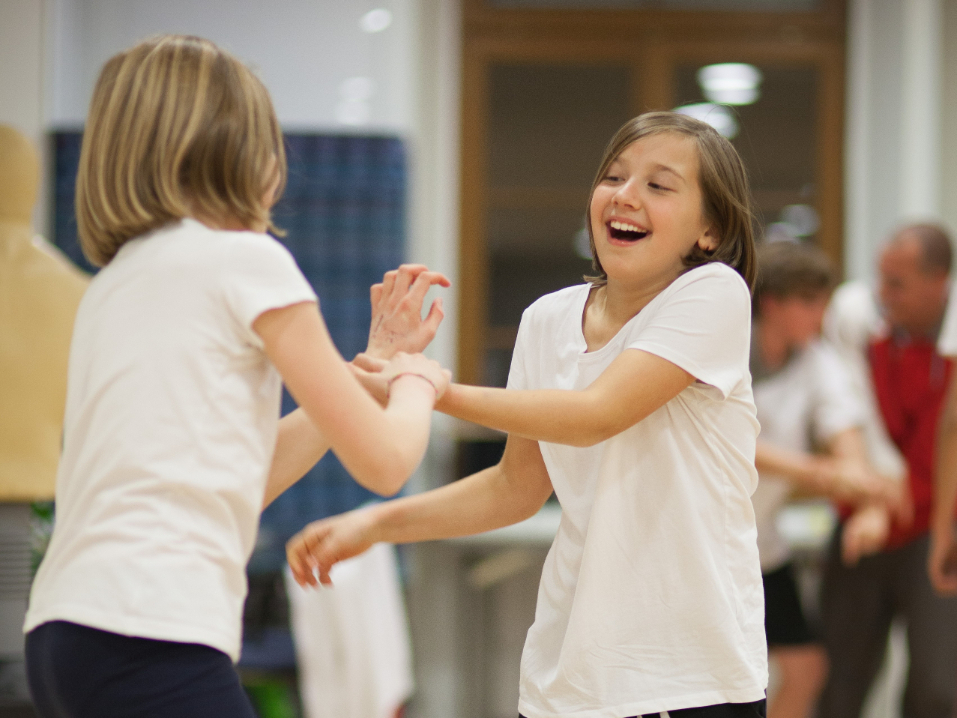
(730, 83)
(376, 20)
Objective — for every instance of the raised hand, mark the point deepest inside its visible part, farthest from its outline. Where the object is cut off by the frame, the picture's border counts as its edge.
(322, 544)
(397, 323)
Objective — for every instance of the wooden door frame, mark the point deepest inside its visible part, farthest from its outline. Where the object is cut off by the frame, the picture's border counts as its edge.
(651, 43)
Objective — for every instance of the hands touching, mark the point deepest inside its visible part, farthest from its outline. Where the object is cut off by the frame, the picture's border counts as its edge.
(398, 332)
(412, 367)
(397, 323)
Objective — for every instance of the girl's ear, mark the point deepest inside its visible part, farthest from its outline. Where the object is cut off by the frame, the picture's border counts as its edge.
(708, 241)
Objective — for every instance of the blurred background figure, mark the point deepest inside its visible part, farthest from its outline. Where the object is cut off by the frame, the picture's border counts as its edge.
(862, 595)
(805, 402)
(39, 294)
(353, 650)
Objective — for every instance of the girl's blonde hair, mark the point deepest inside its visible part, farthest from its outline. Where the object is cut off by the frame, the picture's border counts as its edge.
(726, 195)
(177, 127)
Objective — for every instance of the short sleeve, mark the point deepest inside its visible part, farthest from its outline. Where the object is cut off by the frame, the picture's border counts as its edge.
(837, 406)
(947, 344)
(258, 275)
(703, 325)
(517, 374)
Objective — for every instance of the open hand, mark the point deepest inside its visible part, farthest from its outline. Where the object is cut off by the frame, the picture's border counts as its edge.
(397, 323)
(322, 544)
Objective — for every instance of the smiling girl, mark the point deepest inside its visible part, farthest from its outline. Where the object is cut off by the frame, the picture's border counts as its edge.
(630, 397)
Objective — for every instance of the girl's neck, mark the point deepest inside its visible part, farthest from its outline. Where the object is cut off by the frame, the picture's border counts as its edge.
(611, 306)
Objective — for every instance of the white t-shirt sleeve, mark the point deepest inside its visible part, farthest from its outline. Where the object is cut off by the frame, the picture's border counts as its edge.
(947, 343)
(703, 325)
(260, 274)
(517, 374)
(836, 404)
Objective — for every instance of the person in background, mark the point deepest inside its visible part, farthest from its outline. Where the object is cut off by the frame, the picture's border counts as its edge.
(860, 599)
(804, 401)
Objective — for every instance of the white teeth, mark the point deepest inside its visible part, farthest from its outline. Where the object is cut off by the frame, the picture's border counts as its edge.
(625, 227)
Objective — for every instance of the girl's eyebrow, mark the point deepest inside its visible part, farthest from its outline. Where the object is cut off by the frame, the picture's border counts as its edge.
(666, 168)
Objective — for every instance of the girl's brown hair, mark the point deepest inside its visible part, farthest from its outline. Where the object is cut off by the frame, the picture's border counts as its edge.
(177, 127)
(726, 195)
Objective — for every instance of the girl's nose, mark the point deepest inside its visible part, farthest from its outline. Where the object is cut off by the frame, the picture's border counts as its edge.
(627, 196)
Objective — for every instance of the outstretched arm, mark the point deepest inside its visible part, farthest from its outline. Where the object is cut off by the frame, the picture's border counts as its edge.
(633, 386)
(504, 494)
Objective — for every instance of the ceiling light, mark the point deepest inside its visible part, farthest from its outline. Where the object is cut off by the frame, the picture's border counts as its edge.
(730, 83)
(718, 116)
(376, 20)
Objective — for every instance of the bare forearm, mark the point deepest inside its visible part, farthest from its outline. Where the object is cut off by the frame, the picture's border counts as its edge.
(803, 470)
(385, 447)
(299, 445)
(561, 417)
(945, 476)
(633, 386)
(478, 503)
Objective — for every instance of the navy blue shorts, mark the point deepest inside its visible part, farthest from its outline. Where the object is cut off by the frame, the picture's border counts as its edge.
(81, 672)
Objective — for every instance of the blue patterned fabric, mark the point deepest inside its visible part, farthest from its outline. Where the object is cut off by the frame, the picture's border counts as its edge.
(344, 213)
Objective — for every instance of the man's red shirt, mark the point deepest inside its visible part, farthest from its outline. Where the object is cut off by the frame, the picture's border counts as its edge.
(910, 382)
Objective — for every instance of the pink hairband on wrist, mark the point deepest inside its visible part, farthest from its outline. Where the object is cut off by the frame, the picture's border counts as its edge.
(411, 373)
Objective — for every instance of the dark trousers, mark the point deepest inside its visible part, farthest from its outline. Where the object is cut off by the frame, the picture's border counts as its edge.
(758, 709)
(81, 672)
(858, 605)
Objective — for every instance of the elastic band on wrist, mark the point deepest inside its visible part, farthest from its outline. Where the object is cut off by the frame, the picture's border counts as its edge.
(411, 373)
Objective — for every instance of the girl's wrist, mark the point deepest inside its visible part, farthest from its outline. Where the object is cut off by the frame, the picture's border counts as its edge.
(415, 374)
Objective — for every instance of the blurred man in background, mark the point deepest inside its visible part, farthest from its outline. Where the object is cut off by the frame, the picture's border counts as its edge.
(861, 598)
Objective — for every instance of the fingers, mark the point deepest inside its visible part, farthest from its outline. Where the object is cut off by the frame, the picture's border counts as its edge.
(434, 318)
(375, 295)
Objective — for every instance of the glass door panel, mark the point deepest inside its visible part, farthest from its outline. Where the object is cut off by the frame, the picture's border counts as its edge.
(547, 127)
(777, 139)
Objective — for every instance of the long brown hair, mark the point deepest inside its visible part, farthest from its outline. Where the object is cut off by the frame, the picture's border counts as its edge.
(724, 187)
(177, 127)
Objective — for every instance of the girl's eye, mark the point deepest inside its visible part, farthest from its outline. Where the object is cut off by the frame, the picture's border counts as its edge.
(611, 178)
(656, 186)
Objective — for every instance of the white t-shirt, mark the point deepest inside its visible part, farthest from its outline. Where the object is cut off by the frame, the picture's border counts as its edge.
(947, 341)
(809, 398)
(852, 321)
(171, 419)
(651, 596)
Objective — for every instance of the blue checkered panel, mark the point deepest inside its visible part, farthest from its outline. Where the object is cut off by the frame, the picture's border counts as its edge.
(344, 214)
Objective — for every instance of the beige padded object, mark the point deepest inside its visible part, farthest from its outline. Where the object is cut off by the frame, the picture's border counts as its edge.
(39, 294)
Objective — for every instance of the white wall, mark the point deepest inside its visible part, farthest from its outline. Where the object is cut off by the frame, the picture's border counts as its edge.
(22, 78)
(302, 49)
(948, 155)
(900, 144)
(21, 66)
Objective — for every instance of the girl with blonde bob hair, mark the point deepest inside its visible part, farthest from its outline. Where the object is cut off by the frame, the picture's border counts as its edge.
(172, 439)
(629, 397)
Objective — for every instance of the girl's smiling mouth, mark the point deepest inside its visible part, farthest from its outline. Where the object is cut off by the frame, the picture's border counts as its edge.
(625, 231)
